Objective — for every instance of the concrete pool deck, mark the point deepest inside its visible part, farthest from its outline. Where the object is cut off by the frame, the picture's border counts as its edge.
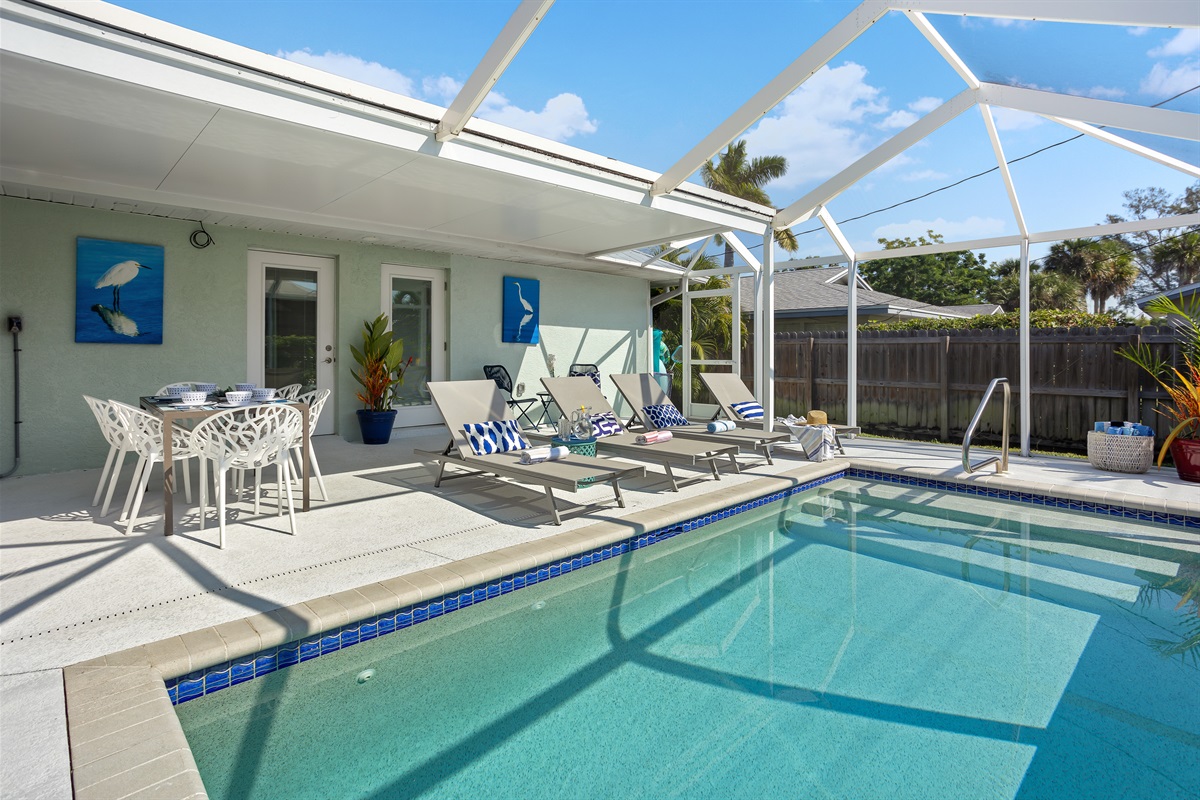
(73, 588)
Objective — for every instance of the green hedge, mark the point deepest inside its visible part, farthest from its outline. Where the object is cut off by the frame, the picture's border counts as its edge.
(1037, 319)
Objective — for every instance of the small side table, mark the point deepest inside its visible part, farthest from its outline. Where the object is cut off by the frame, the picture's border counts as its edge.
(580, 447)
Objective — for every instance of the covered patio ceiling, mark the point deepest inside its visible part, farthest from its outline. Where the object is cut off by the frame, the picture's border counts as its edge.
(117, 111)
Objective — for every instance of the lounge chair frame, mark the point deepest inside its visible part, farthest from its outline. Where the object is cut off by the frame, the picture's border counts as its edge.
(462, 402)
(581, 391)
(727, 389)
(642, 389)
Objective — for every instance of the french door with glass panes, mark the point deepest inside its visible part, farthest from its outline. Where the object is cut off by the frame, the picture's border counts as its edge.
(290, 320)
(414, 300)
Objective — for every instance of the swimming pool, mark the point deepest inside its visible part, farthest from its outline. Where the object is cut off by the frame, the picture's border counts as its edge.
(860, 640)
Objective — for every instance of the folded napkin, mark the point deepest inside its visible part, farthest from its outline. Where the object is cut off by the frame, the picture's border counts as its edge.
(721, 425)
(536, 455)
(653, 437)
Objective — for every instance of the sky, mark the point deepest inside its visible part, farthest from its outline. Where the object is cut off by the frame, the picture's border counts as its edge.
(642, 81)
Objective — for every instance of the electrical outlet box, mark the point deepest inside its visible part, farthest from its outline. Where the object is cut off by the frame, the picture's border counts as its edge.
(15, 325)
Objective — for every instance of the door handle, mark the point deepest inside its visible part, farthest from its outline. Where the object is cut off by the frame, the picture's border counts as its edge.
(329, 360)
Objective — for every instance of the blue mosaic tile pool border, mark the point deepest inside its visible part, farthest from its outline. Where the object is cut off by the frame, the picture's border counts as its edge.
(1107, 509)
(231, 673)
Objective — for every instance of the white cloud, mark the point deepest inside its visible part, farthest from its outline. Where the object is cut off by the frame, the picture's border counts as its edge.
(1009, 23)
(442, 88)
(899, 119)
(1099, 92)
(1141, 31)
(371, 73)
(1008, 119)
(924, 105)
(817, 126)
(1186, 42)
(562, 117)
(961, 230)
(1164, 81)
(924, 175)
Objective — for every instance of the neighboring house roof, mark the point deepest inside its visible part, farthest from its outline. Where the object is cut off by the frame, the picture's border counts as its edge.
(824, 293)
(1176, 294)
(974, 310)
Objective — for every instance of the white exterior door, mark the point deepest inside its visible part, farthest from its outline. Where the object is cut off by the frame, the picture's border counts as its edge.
(291, 324)
(414, 299)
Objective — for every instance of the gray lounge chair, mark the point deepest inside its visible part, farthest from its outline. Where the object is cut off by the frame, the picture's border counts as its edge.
(728, 389)
(642, 389)
(571, 393)
(463, 402)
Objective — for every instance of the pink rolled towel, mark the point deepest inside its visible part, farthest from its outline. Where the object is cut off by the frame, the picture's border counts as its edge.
(653, 437)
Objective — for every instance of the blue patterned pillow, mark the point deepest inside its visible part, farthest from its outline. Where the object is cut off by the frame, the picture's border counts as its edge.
(664, 416)
(605, 424)
(595, 376)
(498, 436)
(748, 410)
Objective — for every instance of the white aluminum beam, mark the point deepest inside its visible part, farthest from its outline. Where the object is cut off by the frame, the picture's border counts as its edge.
(744, 251)
(1009, 186)
(814, 261)
(771, 95)
(1159, 121)
(876, 158)
(1025, 398)
(764, 343)
(1133, 13)
(942, 247)
(852, 344)
(653, 242)
(1132, 147)
(734, 272)
(835, 233)
(944, 49)
(506, 46)
(1115, 229)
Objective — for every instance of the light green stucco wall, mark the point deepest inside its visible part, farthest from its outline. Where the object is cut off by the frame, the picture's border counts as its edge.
(585, 317)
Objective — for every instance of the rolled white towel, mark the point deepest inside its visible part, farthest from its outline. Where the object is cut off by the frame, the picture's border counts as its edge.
(653, 437)
(536, 455)
(721, 425)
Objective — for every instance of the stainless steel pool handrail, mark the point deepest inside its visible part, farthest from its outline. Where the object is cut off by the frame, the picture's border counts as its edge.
(1001, 461)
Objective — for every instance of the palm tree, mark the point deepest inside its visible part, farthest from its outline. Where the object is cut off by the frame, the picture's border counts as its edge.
(737, 175)
(1047, 289)
(1104, 267)
(1180, 254)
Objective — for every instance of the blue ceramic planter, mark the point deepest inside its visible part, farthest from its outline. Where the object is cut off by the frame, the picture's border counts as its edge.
(376, 426)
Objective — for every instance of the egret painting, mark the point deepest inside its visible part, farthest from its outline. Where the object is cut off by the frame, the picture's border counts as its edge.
(521, 311)
(118, 292)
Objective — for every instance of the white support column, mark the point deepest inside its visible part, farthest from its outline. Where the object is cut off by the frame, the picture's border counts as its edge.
(766, 305)
(760, 357)
(735, 304)
(685, 376)
(852, 344)
(1026, 394)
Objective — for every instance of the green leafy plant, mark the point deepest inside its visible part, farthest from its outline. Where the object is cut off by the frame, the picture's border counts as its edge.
(381, 364)
(1182, 384)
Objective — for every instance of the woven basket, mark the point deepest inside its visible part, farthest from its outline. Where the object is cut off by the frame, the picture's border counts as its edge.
(1120, 453)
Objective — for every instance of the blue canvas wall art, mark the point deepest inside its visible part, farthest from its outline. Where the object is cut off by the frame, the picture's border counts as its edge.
(521, 311)
(118, 292)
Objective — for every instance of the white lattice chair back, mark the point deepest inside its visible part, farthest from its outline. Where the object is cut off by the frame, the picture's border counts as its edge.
(144, 433)
(316, 403)
(189, 385)
(112, 423)
(289, 392)
(247, 438)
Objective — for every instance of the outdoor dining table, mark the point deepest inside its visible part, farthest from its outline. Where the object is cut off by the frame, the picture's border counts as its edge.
(172, 413)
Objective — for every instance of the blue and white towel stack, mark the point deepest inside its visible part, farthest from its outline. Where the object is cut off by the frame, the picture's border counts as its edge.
(1122, 428)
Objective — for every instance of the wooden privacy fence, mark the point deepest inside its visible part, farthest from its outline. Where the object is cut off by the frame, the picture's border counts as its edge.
(927, 384)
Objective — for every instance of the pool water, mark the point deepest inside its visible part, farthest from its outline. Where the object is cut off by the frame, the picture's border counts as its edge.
(857, 641)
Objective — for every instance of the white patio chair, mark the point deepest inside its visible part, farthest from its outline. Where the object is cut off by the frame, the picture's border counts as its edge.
(246, 438)
(144, 434)
(112, 427)
(289, 392)
(316, 402)
(189, 385)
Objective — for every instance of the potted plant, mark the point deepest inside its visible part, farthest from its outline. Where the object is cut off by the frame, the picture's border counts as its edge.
(380, 372)
(1181, 383)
